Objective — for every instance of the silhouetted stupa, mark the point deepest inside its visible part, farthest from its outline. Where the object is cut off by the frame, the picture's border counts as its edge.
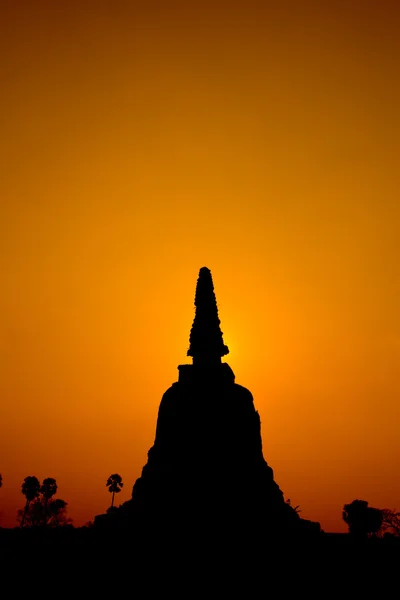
(206, 468)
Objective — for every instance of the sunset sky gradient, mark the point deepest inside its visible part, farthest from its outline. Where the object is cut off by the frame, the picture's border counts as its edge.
(143, 140)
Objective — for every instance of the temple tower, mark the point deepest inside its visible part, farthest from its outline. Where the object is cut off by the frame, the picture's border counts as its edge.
(206, 466)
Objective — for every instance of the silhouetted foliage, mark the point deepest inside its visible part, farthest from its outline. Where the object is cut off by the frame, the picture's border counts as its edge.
(57, 513)
(115, 485)
(53, 514)
(1, 480)
(295, 508)
(362, 519)
(390, 522)
(43, 510)
(31, 490)
(48, 490)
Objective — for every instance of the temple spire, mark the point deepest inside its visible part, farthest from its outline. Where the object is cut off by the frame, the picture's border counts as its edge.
(206, 343)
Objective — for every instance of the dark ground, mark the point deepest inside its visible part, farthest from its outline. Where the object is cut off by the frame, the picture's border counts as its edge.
(84, 561)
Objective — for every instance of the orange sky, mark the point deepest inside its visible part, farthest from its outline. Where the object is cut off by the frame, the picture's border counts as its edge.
(141, 141)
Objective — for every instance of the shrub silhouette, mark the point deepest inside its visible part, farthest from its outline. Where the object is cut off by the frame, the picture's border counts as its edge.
(362, 519)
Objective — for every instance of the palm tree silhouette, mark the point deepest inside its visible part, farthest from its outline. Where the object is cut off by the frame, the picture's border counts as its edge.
(48, 489)
(114, 484)
(30, 489)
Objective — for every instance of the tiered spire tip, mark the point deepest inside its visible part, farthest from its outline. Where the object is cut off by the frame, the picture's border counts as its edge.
(206, 341)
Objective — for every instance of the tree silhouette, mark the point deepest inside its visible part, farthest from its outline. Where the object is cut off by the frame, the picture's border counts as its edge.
(57, 513)
(391, 522)
(362, 519)
(115, 485)
(33, 516)
(1, 480)
(31, 490)
(48, 489)
(42, 509)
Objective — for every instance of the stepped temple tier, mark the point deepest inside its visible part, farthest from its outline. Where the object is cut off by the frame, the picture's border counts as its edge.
(206, 468)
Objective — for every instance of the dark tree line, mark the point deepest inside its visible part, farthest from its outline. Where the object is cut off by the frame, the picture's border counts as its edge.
(42, 509)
